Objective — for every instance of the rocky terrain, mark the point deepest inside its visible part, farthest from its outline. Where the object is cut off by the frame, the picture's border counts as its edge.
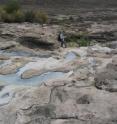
(69, 3)
(41, 83)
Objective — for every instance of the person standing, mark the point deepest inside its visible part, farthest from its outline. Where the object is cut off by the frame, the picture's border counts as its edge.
(61, 38)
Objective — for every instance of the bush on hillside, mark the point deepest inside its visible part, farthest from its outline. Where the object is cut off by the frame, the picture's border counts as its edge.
(79, 40)
(19, 16)
(16, 16)
(6, 17)
(41, 17)
(84, 42)
(12, 6)
(1, 12)
(29, 16)
(11, 12)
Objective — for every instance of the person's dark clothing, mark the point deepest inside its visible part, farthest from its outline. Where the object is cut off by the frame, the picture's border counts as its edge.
(62, 40)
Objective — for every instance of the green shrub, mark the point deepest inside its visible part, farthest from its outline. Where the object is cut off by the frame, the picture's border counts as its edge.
(19, 16)
(72, 38)
(6, 17)
(1, 12)
(12, 6)
(29, 16)
(11, 12)
(16, 16)
(83, 42)
(78, 40)
(41, 17)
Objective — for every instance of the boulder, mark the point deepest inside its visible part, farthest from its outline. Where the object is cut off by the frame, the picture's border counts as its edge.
(31, 73)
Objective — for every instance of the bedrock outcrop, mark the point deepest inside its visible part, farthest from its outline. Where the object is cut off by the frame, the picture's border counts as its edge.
(85, 94)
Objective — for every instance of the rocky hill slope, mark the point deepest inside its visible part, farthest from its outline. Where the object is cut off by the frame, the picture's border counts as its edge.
(69, 3)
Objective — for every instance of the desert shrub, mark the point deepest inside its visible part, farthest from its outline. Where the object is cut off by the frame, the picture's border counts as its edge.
(41, 17)
(6, 17)
(78, 40)
(1, 12)
(12, 6)
(83, 42)
(19, 16)
(29, 16)
(72, 38)
(11, 12)
(16, 16)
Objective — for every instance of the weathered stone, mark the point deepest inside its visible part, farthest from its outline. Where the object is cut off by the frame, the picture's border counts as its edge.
(112, 45)
(8, 69)
(31, 73)
(75, 98)
(7, 45)
(3, 57)
(107, 80)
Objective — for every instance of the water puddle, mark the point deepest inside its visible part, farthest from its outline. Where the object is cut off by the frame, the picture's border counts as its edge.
(24, 54)
(16, 53)
(47, 63)
(70, 56)
(16, 79)
(1, 63)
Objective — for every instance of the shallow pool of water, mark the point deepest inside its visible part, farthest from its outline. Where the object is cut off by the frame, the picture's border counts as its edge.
(16, 53)
(16, 79)
(1, 62)
(70, 56)
(24, 53)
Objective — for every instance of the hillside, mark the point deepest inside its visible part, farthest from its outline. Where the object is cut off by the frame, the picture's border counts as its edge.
(69, 3)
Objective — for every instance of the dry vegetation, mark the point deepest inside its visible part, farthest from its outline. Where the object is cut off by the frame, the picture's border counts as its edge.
(12, 12)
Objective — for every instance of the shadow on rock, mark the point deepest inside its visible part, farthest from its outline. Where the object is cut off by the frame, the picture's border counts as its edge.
(35, 42)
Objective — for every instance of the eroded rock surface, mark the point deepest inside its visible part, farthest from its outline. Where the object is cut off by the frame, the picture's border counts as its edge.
(107, 79)
(72, 85)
